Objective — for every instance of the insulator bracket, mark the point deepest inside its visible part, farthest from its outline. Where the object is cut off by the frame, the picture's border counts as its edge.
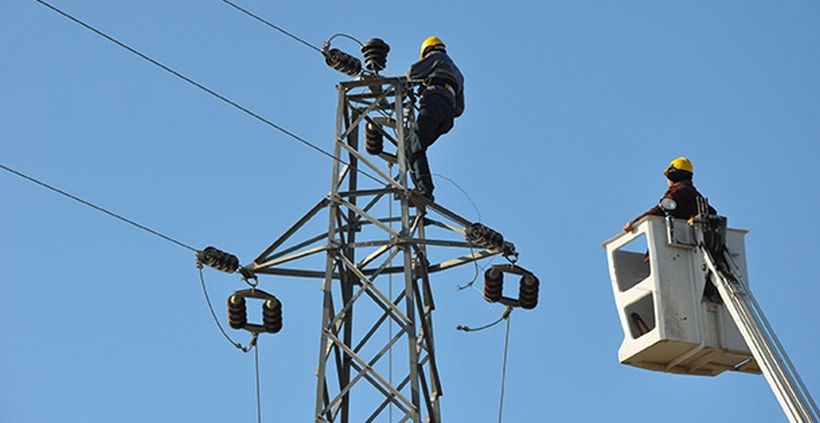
(527, 290)
(271, 311)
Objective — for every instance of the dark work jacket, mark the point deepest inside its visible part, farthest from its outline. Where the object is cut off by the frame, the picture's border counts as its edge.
(437, 69)
(685, 195)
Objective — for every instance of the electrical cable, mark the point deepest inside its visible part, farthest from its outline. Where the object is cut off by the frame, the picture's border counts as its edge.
(183, 77)
(478, 215)
(216, 319)
(201, 87)
(96, 207)
(343, 35)
(258, 389)
(270, 24)
(475, 276)
(504, 370)
(139, 226)
(475, 207)
(253, 345)
(504, 316)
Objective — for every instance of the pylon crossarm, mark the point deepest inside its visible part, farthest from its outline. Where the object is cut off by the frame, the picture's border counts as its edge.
(292, 257)
(320, 237)
(459, 261)
(293, 229)
(419, 241)
(449, 214)
(299, 273)
(433, 222)
(440, 243)
(266, 261)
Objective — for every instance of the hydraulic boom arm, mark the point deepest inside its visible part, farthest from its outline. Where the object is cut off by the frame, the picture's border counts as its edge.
(747, 314)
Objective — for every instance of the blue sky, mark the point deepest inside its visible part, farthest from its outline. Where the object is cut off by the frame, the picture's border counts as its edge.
(573, 110)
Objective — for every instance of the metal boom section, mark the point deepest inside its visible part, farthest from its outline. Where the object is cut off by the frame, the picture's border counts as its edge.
(767, 350)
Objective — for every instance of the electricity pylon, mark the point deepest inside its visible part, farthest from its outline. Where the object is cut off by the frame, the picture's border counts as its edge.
(377, 229)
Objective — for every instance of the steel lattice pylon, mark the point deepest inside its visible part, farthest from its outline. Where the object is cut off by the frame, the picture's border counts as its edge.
(364, 247)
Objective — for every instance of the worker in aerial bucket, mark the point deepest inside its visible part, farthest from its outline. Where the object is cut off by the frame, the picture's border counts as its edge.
(680, 189)
(442, 100)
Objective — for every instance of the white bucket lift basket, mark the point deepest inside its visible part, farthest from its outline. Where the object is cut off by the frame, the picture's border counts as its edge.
(669, 324)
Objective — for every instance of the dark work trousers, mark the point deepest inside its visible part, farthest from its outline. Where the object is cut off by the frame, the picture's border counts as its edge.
(435, 118)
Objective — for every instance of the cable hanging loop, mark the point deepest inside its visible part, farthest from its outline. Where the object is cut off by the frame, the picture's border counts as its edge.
(343, 35)
(213, 313)
(504, 316)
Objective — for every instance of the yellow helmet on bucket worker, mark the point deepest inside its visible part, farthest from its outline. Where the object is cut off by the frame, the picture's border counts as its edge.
(430, 42)
(681, 163)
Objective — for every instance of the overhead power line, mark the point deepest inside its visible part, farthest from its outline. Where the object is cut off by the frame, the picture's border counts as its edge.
(185, 78)
(272, 25)
(96, 207)
(202, 87)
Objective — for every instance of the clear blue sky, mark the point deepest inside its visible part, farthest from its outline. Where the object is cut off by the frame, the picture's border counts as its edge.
(573, 110)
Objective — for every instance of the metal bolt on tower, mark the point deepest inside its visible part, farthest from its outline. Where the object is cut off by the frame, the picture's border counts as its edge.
(377, 230)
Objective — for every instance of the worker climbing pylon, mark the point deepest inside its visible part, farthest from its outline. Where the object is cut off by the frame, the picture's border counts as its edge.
(442, 100)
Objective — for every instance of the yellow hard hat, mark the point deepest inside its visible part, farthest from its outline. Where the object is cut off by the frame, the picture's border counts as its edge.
(681, 163)
(430, 42)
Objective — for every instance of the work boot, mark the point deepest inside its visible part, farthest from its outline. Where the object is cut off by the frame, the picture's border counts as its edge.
(420, 173)
(428, 195)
